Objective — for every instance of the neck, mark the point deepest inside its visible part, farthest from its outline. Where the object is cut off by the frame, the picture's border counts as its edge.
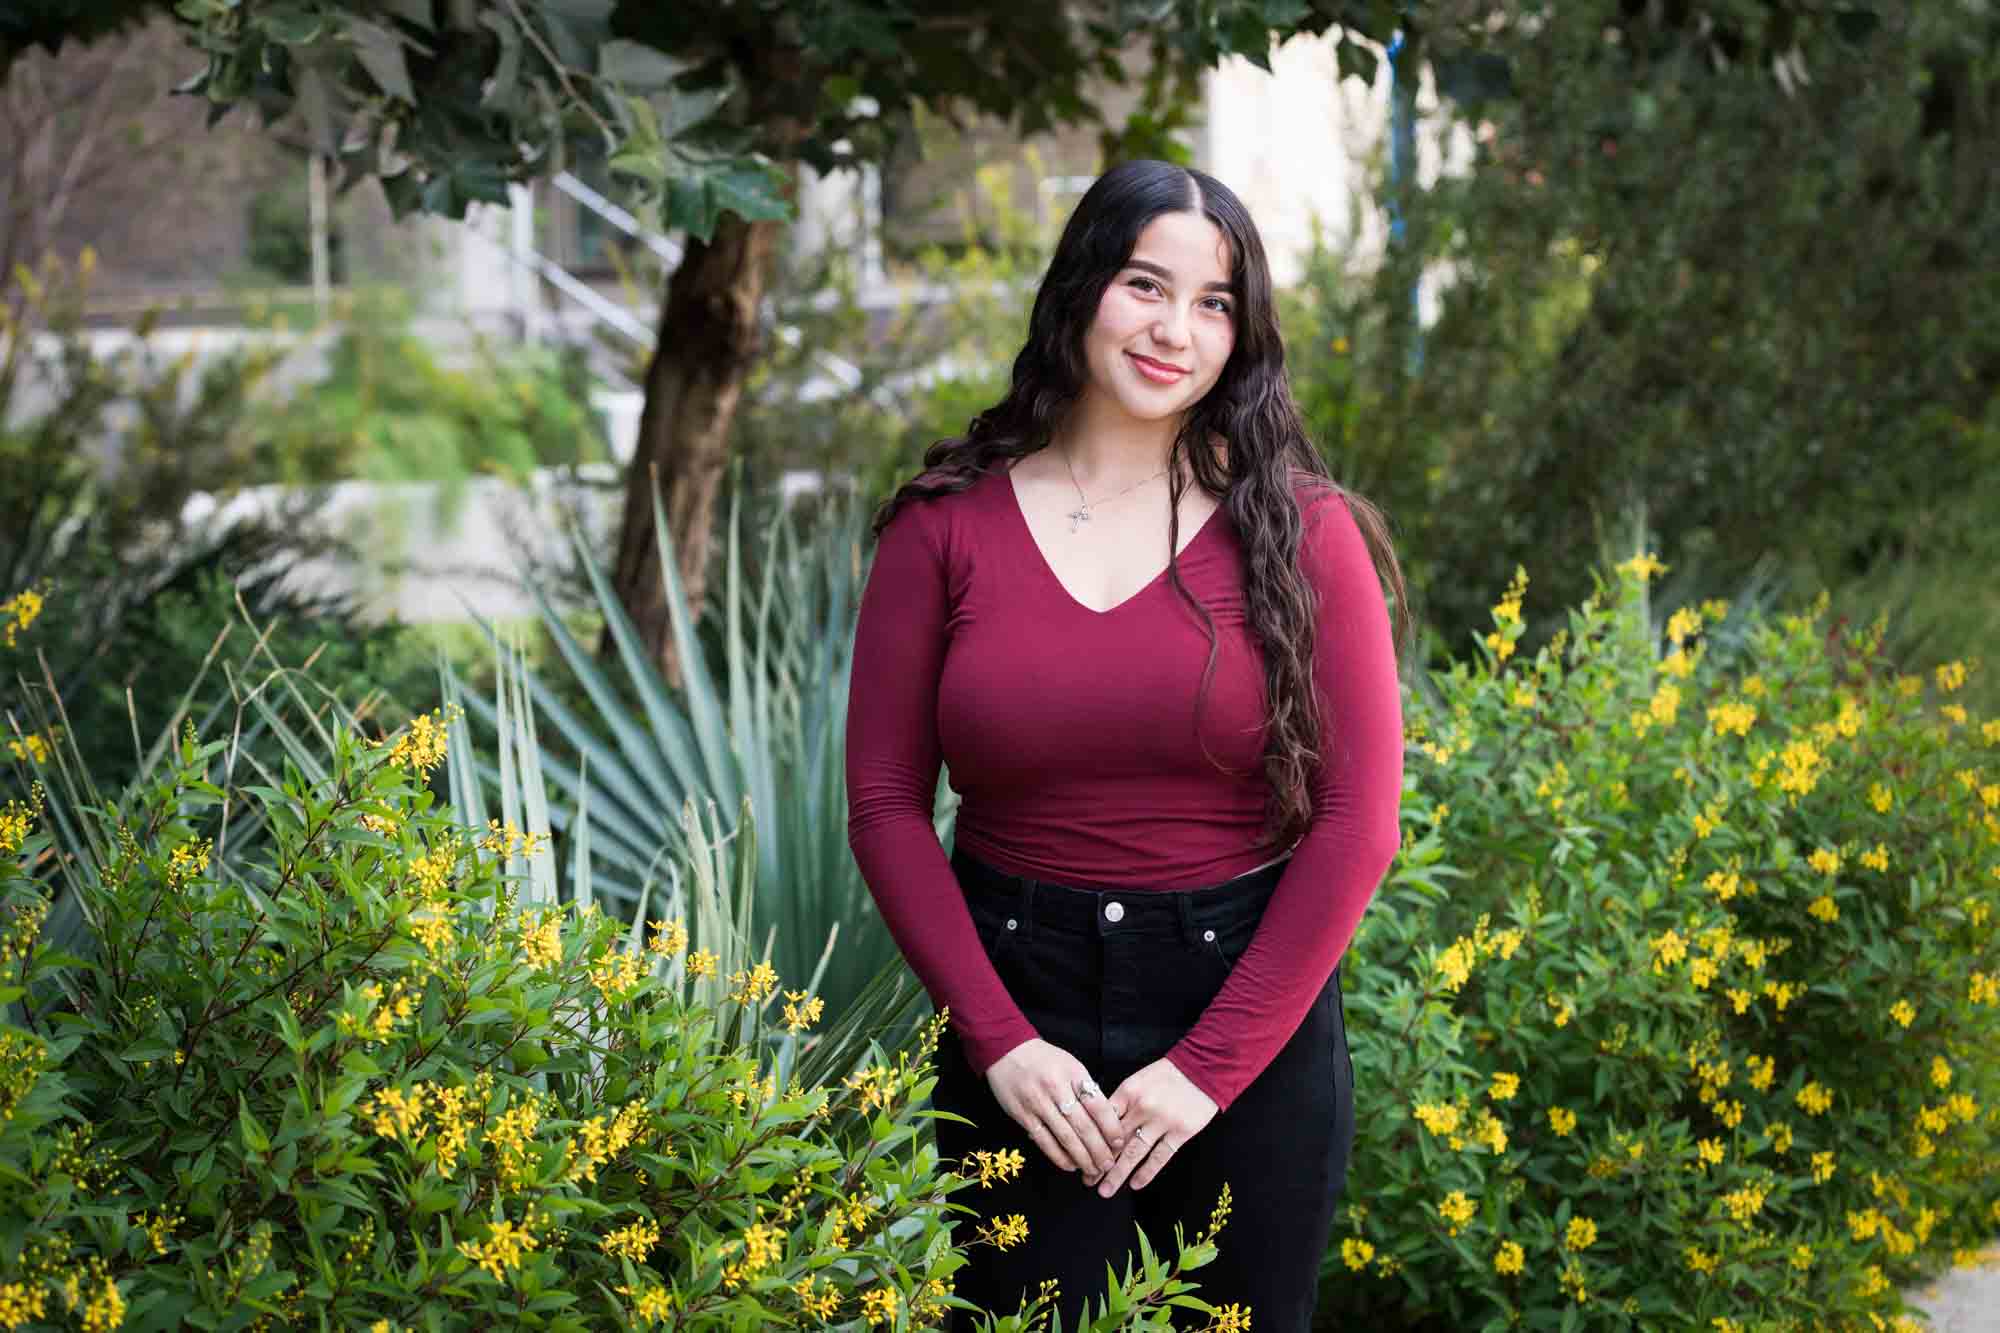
(1108, 447)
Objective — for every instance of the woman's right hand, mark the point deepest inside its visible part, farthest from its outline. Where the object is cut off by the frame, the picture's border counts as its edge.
(1036, 1078)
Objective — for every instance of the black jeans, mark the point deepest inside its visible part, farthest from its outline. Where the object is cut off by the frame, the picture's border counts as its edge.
(1116, 978)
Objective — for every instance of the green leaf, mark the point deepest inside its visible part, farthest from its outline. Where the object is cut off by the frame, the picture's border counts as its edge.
(380, 52)
(254, 1136)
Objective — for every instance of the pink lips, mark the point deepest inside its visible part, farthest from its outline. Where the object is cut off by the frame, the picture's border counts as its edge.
(1157, 371)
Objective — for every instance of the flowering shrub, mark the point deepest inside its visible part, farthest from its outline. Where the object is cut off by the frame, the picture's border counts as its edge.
(358, 1078)
(1679, 1009)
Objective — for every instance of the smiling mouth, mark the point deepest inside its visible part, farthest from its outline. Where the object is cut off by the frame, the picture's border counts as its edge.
(1157, 371)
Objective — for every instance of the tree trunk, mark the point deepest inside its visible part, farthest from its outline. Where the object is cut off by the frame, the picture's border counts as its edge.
(706, 344)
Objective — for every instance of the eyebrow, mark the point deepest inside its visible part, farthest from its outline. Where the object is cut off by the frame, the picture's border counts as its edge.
(1161, 271)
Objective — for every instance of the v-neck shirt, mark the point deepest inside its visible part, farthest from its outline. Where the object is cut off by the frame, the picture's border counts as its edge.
(1071, 736)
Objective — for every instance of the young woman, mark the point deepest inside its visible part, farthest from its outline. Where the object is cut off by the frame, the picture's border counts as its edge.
(1180, 759)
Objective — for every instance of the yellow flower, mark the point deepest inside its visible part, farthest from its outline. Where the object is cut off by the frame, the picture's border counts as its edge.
(702, 963)
(801, 1013)
(504, 1245)
(1234, 1318)
(650, 1303)
(1782, 993)
(1745, 1203)
(1004, 1232)
(1582, 1233)
(1700, 1260)
(1802, 763)
(1781, 1137)
(1682, 624)
(1356, 1253)
(1668, 949)
(754, 986)
(105, 1310)
(1562, 1121)
(1940, 1071)
(20, 611)
(1802, 1257)
(1762, 1070)
(634, 1242)
(1732, 717)
(615, 972)
(818, 1304)
(1710, 1152)
(1815, 1099)
(1509, 1259)
(1950, 676)
(1880, 797)
(1437, 1118)
(1878, 859)
(1456, 1210)
(1825, 908)
(541, 937)
(1454, 965)
(1504, 1087)
(1643, 567)
(1822, 1167)
(22, 1302)
(1002, 1165)
(669, 938)
(1903, 1012)
(423, 746)
(1824, 860)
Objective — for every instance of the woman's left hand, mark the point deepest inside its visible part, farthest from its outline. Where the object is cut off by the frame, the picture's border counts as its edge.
(1160, 1109)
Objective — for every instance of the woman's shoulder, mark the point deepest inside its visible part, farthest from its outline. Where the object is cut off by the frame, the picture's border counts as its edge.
(948, 512)
(1316, 495)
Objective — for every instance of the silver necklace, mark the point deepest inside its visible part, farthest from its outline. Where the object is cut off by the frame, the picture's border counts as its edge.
(1081, 514)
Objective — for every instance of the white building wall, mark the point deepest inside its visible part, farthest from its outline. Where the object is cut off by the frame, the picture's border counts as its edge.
(1301, 143)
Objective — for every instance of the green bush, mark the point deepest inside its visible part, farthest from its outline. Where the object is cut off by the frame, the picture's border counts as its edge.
(325, 1054)
(1754, 305)
(1679, 1008)
(390, 409)
(101, 454)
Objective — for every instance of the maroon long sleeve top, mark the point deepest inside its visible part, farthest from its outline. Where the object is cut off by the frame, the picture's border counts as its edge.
(1069, 735)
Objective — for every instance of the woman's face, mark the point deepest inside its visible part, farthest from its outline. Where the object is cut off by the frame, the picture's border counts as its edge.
(1167, 322)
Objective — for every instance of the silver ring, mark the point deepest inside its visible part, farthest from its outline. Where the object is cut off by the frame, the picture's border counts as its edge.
(1064, 1108)
(1088, 1089)
(1139, 1133)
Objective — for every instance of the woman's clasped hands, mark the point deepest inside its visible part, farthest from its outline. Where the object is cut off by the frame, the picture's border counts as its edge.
(1128, 1136)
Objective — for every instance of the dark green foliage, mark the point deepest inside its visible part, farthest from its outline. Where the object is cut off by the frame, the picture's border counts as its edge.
(1758, 321)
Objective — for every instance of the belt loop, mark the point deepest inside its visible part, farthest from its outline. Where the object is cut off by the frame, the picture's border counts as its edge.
(1028, 887)
(1189, 935)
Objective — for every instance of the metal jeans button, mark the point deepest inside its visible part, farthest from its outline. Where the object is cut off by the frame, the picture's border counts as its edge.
(1114, 911)
(1208, 936)
(1011, 923)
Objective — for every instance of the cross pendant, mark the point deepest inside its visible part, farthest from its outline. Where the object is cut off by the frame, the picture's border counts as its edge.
(1076, 516)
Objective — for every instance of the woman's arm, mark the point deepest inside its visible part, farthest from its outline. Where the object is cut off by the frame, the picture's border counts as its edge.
(893, 759)
(1354, 833)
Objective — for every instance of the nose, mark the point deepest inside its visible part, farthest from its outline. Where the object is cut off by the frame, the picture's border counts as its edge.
(1171, 328)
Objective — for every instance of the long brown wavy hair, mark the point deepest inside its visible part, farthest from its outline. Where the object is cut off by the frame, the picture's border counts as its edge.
(1250, 410)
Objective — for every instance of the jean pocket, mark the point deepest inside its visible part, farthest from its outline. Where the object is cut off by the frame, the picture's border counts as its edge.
(997, 932)
(1223, 944)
